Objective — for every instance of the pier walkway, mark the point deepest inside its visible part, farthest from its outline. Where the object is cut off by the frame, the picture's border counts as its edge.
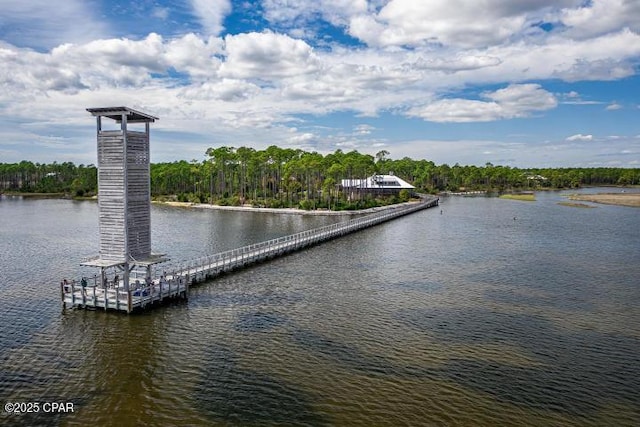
(90, 293)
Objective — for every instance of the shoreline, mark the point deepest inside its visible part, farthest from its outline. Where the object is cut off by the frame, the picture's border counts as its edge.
(617, 199)
(287, 211)
(245, 208)
(36, 195)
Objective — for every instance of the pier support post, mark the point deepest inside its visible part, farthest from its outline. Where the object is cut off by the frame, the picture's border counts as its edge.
(64, 303)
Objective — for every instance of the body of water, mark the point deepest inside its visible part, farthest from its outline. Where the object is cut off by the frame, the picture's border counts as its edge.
(481, 312)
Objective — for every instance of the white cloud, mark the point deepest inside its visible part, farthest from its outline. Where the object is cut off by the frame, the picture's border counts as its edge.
(463, 23)
(363, 129)
(521, 99)
(301, 139)
(266, 56)
(292, 13)
(598, 17)
(516, 100)
(211, 14)
(160, 12)
(459, 63)
(228, 90)
(43, 24)
(579, 137)
(106, 63)
(459, 111)
(455, 23)
(608, 57)
(194, 56)
(613, 106)
(574, 98)
(523, 154)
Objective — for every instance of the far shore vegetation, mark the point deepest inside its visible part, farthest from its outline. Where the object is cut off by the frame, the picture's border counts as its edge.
(291, 178)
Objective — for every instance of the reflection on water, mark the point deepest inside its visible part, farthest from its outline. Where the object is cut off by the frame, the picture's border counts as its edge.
(465, 318)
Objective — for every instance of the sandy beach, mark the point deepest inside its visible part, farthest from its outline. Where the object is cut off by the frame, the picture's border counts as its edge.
(621, 199)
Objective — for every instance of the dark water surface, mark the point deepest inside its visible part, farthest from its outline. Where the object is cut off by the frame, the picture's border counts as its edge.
(469, 317)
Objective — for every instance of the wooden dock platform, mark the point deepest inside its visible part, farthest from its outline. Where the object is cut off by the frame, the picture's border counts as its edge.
(175, 284)
(114, 297)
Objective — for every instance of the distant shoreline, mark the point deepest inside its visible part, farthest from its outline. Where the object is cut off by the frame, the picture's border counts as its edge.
(36, 195)
(290, 211)
(618, 199)
(189, 205)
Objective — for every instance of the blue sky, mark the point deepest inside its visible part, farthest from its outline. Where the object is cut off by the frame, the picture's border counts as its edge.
(530, 83)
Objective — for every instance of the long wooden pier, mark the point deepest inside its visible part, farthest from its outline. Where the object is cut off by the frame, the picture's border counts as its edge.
(90, 293)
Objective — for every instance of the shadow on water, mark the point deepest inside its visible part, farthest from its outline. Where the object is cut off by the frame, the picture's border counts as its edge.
(422, 285)
(230, 292)
(231, 393)
(259, 321)
(240, 299)
(577, 372)
(349, 357)
(22, 321)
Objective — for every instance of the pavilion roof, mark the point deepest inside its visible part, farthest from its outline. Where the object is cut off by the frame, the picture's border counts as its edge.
(115, 113)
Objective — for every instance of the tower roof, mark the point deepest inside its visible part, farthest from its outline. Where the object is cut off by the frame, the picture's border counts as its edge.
(116, 113)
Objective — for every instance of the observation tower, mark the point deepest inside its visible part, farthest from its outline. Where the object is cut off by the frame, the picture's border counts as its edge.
(124, 198)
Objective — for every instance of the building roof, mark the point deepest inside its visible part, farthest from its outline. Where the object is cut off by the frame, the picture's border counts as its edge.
(116, 113)
(391, 182)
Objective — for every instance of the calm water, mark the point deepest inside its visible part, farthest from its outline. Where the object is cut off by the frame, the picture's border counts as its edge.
(469, 317)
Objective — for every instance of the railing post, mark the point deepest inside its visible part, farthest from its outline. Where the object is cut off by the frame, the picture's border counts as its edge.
(84, 295)
(64, 304)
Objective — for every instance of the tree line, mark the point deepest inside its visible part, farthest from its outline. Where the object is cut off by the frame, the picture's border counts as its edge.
(29, 177)
(285, 177)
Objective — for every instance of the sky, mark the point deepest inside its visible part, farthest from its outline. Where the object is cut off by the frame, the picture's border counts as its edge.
(521, 83)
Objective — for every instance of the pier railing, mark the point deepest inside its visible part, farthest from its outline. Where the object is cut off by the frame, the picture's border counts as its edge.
(208, 267)
(176, 283)
(114, 296)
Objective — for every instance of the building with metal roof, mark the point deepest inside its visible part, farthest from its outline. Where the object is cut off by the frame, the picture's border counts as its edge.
(376, 184)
